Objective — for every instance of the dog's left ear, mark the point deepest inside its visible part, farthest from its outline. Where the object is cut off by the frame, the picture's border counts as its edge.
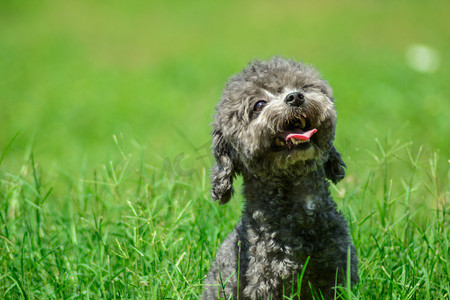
(334, 166)
(223, 171)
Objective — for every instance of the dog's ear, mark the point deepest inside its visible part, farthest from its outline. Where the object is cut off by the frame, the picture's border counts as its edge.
(334, 166)
(223, 171)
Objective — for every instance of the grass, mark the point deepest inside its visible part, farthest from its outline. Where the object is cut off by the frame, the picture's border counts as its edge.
(104, 147)
(130, 230)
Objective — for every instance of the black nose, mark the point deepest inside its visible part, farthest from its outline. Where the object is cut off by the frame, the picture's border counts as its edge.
(295, 99)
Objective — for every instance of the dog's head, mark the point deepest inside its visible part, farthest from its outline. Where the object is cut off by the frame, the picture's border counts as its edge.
(275, 119)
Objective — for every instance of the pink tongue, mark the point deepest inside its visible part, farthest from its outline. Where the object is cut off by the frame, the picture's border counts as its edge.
(301, 136)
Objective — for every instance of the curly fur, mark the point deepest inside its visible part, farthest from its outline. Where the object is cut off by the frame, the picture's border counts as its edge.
(289, 216)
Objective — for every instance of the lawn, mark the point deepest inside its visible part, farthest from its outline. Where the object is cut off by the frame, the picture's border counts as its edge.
(104, 146)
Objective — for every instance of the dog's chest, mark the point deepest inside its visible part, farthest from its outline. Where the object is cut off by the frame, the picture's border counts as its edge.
(271, 267)
(280, 239)
(274, 263)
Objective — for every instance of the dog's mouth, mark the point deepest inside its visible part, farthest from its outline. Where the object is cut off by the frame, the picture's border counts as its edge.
(296, 134)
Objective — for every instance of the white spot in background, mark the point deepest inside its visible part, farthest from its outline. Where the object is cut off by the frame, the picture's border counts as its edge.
(422, 58)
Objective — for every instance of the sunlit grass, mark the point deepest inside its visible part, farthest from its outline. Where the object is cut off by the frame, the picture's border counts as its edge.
(131, 230)
(104, 145)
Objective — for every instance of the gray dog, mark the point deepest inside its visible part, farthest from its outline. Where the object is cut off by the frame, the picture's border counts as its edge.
(275, 126)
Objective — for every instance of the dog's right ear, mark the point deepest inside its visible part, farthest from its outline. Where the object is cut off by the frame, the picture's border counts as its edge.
(223, 171)
(335, 166)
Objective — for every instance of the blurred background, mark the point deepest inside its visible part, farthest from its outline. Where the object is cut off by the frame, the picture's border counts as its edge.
(81, 81)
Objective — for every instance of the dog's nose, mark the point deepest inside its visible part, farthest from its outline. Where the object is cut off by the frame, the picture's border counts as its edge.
(295, 99)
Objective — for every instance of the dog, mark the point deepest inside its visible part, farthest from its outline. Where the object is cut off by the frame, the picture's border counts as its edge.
(275, 126)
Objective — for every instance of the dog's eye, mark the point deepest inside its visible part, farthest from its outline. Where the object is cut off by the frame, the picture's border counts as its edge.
(259, 105)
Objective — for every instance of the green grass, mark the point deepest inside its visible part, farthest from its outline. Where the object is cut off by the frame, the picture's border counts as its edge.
(130, 230)
(104, 146)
